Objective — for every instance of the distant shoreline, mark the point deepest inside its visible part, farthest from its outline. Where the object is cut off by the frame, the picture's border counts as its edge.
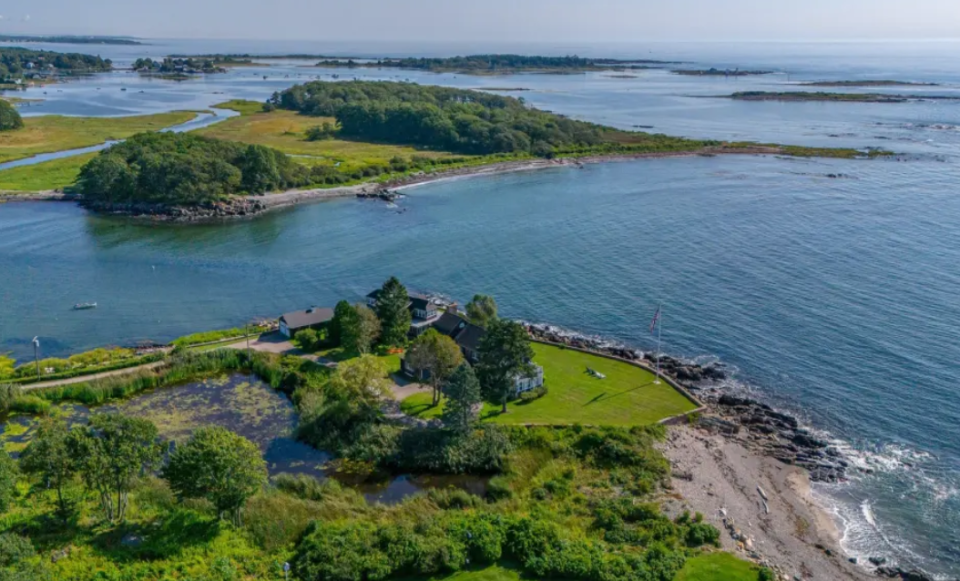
(252, 206)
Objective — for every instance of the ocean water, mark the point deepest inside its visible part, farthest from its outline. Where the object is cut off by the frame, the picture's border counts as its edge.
(836, 298)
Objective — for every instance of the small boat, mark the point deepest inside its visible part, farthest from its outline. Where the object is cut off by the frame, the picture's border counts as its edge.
(84, 306)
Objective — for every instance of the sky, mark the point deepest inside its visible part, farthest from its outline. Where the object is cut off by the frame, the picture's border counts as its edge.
(489, 20)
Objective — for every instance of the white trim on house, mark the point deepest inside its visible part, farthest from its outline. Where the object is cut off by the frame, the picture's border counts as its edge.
(533, 381)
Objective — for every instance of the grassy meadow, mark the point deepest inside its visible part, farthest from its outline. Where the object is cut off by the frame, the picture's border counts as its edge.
(49, 175)
(285, 130)
(627, 396)
(50, 133)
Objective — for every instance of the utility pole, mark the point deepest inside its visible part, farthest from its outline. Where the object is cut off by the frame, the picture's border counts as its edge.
(36, 355)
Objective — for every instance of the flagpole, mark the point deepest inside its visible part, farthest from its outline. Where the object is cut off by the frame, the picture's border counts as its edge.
(659, 330)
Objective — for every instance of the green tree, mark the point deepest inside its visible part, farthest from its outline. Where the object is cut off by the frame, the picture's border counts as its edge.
(504, 354)
(463, 398)
(341, 312)
(111, 452)
(482, 310)
(363, 379)
(9, 117)
(436, 354)
(9, 471)
(359, 330)
(48, 457)
(8, 394)
(218, 465)
(393, 309)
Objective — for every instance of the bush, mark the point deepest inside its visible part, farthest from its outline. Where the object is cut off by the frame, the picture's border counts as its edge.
(480, 451)
(208, 337)
(14, 549)
(533, 394)
(30, 404)
(766, 575)
(307, 339)
(341, 552)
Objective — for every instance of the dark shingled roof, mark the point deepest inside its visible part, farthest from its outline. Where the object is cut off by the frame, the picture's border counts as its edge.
(307, 318)
(469, 337)
(421, 303)
(465, 333)
(449, 323)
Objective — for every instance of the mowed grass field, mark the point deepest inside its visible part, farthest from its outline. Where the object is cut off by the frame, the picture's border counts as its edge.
(718, 567)
(285, 130)
(627, 396)
(49, 175)
(50, 133)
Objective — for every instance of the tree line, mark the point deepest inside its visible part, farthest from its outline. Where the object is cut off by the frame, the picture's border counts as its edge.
(15, 62)
(185, 169)
(187, 65)
(439, 118)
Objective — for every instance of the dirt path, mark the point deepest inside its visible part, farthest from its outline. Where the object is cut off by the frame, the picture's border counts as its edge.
(93, 376)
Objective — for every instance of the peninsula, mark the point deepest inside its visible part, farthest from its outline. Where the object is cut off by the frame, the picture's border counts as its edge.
(500, 64)
(868, 83)
(69, 39)
(184, 66)
(713, 72)
(800, 96)
(326, 139)
(17, 64)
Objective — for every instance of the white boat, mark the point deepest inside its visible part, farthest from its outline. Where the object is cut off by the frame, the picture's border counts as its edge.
(84, 306)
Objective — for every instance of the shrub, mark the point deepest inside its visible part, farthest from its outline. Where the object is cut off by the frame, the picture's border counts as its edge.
(766, 575)
(341, 552)
(30, 404)
(533, 394)
(14, 550)
(307, 339)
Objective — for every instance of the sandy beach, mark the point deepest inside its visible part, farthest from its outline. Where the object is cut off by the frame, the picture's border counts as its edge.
(787, 531)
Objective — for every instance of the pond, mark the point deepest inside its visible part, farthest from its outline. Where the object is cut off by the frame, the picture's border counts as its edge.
(245, 405)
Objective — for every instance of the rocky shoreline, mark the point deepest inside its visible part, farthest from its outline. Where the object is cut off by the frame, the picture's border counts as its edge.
(745, 422)
(232, 208)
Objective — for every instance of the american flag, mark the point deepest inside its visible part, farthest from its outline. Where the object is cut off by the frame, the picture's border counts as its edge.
(656, 319)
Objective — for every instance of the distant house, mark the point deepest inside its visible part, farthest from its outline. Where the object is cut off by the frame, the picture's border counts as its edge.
(467, 336)
(423, 311)
(312, 318)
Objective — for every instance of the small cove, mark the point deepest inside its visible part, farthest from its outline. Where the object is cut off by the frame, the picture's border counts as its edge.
(245, 405)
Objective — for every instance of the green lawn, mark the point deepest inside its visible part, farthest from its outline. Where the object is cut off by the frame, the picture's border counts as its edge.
(628, 396)
(718, 567)
(337, 354)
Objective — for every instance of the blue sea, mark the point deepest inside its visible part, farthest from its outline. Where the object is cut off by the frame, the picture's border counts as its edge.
(837, 298)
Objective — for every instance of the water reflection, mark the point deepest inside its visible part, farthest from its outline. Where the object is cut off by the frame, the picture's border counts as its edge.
(245, 405)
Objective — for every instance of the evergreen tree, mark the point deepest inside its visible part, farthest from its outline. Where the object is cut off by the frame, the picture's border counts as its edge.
(342, 312)
(463, 397)
(394, 313)
(505, 354)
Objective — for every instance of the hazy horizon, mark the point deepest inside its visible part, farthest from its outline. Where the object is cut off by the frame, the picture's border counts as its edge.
(531, 21)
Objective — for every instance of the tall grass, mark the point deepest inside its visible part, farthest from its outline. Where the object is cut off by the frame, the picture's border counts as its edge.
(181, 368)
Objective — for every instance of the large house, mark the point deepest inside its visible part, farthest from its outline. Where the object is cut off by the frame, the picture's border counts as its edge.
(312, 318)
(422, 310)
(467, 336)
